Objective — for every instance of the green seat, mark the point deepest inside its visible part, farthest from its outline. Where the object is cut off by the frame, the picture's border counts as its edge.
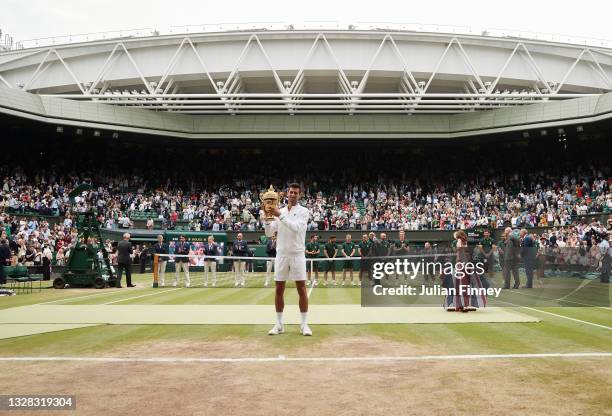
(21, 271)
(9, 271)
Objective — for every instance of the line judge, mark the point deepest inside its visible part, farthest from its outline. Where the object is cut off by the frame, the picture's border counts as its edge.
(290, 225)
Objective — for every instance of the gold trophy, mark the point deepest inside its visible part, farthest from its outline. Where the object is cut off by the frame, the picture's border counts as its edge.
(269, 200)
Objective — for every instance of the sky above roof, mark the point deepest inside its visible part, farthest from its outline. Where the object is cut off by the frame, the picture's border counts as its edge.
(31, 19)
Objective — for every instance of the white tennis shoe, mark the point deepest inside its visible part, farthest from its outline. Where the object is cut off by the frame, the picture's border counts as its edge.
(305, 330)
(276, 330)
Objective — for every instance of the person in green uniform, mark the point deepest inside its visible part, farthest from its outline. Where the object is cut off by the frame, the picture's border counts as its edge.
(384, 246)
(330, 252)
(312, 252)
(400, 247)
(381, 250)
(364, 252)
(485, 245)
(348, 250)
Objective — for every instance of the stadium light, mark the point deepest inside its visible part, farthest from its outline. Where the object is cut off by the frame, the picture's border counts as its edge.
(525, 134)
(96, 133)
(59, 129)
(115, 135)
(543, 132)
(79, 132)
(579, 129)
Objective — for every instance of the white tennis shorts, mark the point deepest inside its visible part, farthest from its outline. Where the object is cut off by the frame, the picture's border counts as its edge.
(289, 268)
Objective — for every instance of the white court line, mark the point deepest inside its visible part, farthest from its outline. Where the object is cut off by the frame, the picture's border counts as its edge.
(560, 300)
(142, 296)
(559, 316)
(310, 290)
(282, 358)
(571, 319)
(103, 292)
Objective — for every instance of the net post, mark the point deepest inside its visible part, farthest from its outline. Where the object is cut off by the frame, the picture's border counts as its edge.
(155, 270)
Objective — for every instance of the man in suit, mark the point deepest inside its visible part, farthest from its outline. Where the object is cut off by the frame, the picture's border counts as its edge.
(182, 260)
(511, 247)
(210, 264)
(161, 247)
(528, 253)
(124, 260)
(239, 249)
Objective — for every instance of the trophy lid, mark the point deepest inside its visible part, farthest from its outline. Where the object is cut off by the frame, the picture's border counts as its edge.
(270, 194)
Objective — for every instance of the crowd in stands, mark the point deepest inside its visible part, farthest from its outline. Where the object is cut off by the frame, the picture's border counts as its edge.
(32, 241)
(345, 189)
(578, 244)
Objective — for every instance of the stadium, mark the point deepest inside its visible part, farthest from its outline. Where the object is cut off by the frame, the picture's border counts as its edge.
(405, 144)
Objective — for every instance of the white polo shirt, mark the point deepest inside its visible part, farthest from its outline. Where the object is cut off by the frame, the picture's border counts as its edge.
(291, 231)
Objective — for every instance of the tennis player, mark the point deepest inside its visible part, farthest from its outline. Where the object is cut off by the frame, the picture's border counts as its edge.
(290, 225)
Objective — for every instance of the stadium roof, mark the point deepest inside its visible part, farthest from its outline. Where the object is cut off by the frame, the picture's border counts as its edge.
(380, 70)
